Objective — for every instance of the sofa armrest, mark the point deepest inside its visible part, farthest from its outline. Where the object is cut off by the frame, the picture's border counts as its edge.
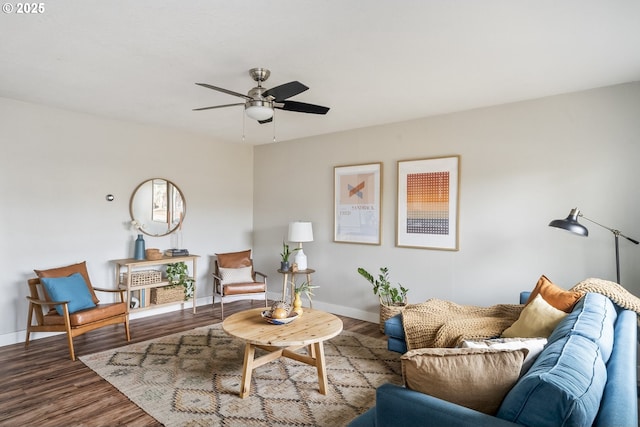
(619, 404)
(399, 406)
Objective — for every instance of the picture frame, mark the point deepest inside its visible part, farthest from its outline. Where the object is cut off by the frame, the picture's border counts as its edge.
(428, 201)
(357, 203)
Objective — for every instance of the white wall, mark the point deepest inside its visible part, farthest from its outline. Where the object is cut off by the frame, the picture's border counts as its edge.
(522, 165)
(58, 166)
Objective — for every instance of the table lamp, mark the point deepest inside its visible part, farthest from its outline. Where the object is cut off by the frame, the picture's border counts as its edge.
(299, 232)
(570, 223)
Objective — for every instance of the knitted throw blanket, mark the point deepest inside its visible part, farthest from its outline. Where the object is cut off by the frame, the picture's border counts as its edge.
(439, 323)
(616, 293)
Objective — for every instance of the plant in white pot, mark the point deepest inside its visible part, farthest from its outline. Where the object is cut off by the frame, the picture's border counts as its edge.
(392, 299)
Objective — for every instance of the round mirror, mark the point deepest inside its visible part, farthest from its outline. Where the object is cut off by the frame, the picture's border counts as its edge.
(158, 206)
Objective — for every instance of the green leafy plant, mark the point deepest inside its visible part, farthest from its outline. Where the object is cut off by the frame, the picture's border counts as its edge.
(388, 294)
(178, 275)
(286, 252)
(305, 288)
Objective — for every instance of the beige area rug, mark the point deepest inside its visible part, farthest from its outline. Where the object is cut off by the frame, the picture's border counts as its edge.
(193, 379)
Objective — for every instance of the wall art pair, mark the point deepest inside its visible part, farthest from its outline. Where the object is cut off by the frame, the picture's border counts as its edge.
(426, 210)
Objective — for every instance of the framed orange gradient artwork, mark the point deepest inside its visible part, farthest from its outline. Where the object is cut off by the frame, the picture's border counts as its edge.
(428, 197)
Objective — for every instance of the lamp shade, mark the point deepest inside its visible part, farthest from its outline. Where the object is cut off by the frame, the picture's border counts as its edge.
(571, 223)
(300, 231)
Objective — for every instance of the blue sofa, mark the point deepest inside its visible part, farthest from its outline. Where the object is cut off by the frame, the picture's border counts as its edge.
(585, 375)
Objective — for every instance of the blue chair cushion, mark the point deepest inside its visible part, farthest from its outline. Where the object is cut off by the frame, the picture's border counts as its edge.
(71, 288)
(563, 387)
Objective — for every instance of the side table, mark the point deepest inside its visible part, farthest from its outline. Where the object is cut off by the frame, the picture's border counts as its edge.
(285, 280)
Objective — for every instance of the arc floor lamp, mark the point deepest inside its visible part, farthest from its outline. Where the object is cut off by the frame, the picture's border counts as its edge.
(571, 224)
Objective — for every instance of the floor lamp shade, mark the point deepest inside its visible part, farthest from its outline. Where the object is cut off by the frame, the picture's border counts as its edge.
(571, 224)
(300, 232)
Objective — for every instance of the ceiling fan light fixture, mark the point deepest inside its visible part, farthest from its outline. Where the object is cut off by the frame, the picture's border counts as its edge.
(259, 110)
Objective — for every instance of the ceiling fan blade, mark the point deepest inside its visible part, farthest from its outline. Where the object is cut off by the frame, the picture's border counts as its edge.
(287, 90)
(227, 91)
(269, 120)
(217, 106)
(302, 107)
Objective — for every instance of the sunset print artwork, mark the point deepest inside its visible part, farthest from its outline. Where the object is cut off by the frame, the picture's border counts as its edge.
(428, 203)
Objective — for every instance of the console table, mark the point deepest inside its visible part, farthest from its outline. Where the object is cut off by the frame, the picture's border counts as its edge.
(125, 267)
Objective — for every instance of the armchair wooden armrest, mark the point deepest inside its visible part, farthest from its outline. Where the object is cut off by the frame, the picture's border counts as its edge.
(264, 276)
(113, 291)
(43, 302)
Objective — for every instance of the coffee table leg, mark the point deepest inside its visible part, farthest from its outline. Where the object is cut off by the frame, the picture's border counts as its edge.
(318, 349)
(247, 369)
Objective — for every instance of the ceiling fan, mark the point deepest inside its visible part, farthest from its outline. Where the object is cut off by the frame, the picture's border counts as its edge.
(260, 102)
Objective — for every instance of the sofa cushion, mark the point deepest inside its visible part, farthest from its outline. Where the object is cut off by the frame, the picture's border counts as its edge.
(393, 326)
(476, 378)
(72, 289)
(594, 318)
(534, 345)
(537, 319)
(563, 387)
(554, 295)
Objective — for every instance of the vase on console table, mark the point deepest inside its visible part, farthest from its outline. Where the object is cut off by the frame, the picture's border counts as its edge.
(138, 252)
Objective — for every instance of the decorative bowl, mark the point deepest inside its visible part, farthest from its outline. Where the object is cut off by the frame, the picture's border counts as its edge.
(266, 315)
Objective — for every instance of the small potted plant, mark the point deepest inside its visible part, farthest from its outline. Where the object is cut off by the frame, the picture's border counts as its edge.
(392, 299)
(304, 288)
(284, 255)
(178, 275)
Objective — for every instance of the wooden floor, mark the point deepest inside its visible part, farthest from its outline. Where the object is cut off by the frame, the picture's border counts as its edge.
(41, 386)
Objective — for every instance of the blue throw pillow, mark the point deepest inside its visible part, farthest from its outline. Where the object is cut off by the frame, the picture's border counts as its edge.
(71, 288)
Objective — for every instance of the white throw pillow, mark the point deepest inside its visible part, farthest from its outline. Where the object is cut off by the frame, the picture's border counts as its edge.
(534, 345)
(538, 319)
(230, 276)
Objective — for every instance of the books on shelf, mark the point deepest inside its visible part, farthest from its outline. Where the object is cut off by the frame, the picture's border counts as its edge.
(176, 252)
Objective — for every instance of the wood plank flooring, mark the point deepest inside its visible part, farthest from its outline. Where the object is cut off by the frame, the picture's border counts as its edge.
(41, 386)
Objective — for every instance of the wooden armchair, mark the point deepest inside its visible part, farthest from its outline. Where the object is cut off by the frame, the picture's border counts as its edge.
(235, 279)
(76, 314)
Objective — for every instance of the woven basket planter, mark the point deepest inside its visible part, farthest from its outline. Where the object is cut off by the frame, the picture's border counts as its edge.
(167, 294)
(388, 311)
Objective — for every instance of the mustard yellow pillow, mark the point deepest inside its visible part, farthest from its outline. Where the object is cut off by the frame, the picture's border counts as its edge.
(555, 295)
(537, 319)
(478, 378)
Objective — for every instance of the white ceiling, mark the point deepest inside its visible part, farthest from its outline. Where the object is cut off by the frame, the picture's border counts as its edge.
(371, 61)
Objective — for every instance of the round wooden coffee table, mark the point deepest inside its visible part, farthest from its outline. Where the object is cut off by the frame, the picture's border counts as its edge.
(309, 330)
